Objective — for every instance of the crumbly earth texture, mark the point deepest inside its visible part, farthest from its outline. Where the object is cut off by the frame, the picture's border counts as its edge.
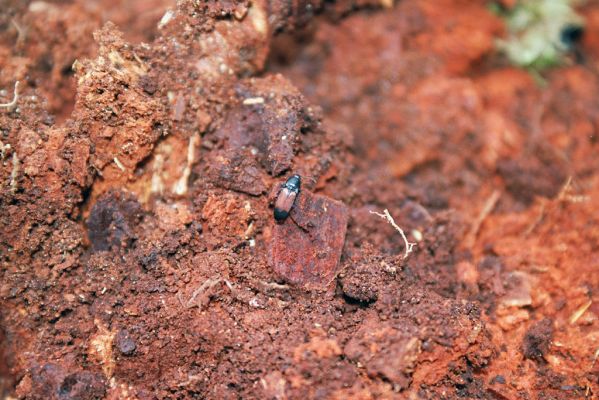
(139, 256)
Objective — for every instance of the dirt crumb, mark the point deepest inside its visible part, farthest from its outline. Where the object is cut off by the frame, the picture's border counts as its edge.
(537, 340)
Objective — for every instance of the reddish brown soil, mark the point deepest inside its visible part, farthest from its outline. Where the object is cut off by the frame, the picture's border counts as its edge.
(139, 254)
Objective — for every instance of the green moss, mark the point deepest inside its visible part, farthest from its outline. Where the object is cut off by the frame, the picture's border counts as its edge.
(534, 32)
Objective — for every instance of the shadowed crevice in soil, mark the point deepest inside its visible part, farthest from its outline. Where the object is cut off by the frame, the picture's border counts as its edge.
(356, 302)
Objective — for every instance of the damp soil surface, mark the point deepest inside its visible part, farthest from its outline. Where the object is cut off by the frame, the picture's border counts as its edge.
(149, 141)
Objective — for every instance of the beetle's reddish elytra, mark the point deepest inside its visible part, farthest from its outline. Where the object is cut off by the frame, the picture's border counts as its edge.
(286, 197)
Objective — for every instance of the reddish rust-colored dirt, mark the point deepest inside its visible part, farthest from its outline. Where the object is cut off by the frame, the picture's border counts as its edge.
(138, 169)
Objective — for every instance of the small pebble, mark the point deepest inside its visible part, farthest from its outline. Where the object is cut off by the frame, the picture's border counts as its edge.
(125, 343)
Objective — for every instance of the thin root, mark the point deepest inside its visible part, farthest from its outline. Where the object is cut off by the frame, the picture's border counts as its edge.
(537, 220)
(15, 98)
(484, 213)
(181, 185)
(273, 286)
(14, 173)
(580, 311)
(386, 216)
(20, 32)
(566, 196)
(201, 291)
(119, 164)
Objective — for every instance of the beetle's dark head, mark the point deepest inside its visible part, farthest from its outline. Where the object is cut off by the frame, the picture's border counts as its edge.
(294, 183)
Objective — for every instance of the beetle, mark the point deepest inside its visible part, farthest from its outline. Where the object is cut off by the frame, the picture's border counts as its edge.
(286, 197)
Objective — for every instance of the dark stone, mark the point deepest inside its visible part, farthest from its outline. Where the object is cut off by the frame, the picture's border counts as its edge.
(112, 220)
(148, 84)
(125, 343)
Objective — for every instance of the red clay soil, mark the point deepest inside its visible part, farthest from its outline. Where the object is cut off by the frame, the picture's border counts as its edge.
(139, 166)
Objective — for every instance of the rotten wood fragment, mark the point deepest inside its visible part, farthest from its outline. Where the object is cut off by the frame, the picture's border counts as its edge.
(307, 246)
